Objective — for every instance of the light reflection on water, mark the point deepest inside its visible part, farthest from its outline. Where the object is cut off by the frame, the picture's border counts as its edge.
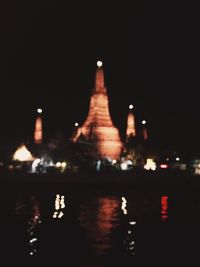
(100, 221)
(100, 228)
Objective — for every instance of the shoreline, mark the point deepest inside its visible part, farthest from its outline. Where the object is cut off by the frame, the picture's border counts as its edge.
(98, 178)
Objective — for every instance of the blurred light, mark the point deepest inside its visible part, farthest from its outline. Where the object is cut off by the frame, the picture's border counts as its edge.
(177, 159)
(123, 206)
(150, 165)
(58, 164)
(99, 63)
(39, 110)
(76, 124)
(132, 223)
(163, 166)
(144, 122)
(23, 154)
(164, 208)
(130, 106)
(63, 164)
(33, 240)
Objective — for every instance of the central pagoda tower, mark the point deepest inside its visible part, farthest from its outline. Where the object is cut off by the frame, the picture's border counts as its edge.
(98, 128)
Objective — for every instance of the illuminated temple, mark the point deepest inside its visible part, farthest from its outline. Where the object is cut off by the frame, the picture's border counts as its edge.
(98, 127)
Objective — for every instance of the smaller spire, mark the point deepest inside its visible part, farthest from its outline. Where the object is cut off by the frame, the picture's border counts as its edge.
(99, 79)
(130, 131)
(144, 130)
(38, 134)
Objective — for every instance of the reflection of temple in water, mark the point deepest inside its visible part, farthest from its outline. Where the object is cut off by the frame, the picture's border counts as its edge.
(99, 221)
(34, 219)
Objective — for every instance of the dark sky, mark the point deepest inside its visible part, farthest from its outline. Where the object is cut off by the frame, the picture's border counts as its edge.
(48, 58)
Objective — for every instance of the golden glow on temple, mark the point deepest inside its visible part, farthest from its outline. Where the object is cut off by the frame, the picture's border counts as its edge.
(23, 154)
(38, 130)
(98, 128)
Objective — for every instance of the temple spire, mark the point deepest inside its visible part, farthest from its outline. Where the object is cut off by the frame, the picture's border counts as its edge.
(38, 128)
(98, 128)
(130, 131)
(99, 79)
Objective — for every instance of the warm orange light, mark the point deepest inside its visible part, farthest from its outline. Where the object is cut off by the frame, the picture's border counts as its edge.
(130, 131)
(38, 131)
(99, 221)
(98, 127)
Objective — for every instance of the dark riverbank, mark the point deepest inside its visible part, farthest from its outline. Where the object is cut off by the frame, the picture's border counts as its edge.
(106, 178)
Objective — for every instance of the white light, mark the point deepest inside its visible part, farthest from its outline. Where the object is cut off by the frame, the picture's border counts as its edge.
(124, 200)
(33, 240)
(60, 215)
(58, 164)
(99, 63)
(23, 154)
(39, 110)
(76, 124)
(150, 165)
(144, 122)
(177, 159)
(132, 223)
(130, 106)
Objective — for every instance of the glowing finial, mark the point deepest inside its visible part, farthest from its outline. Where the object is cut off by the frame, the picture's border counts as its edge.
(130, 106)
(144, 122)
(39, 110)
(99, 64)
(76, 124)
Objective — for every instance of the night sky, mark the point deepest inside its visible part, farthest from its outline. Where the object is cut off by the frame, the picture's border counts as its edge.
(48, 59)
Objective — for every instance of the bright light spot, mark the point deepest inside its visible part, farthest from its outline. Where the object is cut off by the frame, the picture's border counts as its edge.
(99, 63)
(39, 110)
(129, 232)
(124, 200)
(114, 161)
(123, 206)
(55, 214)
(177, 159)
(58, 164)
(130, 106)
(132, 223)
(150, 165)
(144, 122)
(33, 240)
(163, 166)
(31, 253)
(23, 154)
(76, 124)
(60, 214)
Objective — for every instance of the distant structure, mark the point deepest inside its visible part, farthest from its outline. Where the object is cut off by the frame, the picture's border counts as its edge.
(98, 128)
(130, 130)
(38, 134)
(144, 130)
(23, 154)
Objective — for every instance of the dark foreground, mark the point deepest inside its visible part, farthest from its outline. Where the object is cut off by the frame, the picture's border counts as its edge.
(100, 220)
